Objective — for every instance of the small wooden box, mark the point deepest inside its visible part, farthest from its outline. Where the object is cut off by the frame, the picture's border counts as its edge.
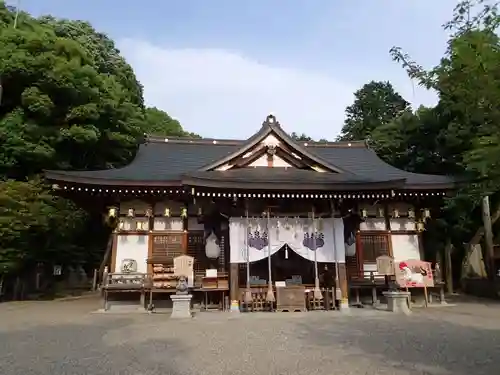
(223, 283)
(209, 283)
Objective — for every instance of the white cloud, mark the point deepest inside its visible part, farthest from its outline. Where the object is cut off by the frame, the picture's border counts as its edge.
(218, 93)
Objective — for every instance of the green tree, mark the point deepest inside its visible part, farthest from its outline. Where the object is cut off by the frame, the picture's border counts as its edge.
(158, 122)
(375, 104)
(468, 83)
(68, 101)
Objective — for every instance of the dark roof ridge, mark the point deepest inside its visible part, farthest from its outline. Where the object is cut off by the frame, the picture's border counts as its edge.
(239, 142)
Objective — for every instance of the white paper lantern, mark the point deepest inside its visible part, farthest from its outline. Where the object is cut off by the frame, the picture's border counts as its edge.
(212, 249)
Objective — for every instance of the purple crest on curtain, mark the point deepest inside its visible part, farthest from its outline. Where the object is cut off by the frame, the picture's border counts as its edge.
(313, 241)
(258, 240)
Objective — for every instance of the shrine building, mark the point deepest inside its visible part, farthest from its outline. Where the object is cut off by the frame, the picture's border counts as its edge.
(258, 214)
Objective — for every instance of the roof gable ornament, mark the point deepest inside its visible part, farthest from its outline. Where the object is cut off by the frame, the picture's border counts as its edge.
(273, 141)
(270, 119)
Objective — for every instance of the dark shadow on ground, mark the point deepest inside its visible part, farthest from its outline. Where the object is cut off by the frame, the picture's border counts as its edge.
(418, 345)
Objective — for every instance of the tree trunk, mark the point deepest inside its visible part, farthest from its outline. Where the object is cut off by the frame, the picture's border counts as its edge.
(480, 231)
(476, 239)
(488, 236)
(107, 255)
(448, 272)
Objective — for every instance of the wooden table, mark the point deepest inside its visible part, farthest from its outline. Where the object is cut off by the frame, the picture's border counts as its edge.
(206, 291)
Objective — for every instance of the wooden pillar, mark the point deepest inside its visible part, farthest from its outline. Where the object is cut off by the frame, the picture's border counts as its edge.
(234, 287)
(344, 290)
(113, 252)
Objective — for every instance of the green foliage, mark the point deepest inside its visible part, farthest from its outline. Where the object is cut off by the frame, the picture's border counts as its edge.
(68, 100)
(375, 104)
(158, 122)
(35, 226)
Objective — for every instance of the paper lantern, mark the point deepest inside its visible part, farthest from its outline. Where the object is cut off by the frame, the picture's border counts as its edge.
(184, 213)
(112, 212)
(212, 249)
(420, 226)
(381, 212)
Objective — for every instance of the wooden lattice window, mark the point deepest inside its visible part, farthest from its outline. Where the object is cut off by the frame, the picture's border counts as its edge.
(196, 249)
(372, 245)
(167, 246)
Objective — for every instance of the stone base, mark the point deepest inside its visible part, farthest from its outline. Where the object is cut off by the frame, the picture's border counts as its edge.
(397, 302)
(181, 308)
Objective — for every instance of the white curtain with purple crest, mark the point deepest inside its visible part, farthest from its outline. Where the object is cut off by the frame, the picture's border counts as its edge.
(327, 240)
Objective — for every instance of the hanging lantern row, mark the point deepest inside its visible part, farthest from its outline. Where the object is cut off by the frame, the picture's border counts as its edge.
(139, 225)
(426, 213)
(248, 195)
(113, 212)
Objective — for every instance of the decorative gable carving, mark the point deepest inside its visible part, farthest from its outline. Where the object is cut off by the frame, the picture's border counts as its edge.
(271, 147)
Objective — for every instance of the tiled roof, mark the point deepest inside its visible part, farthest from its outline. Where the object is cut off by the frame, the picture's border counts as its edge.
(163, 161)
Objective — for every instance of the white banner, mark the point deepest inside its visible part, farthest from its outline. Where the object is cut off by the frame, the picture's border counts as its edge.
(327, 243)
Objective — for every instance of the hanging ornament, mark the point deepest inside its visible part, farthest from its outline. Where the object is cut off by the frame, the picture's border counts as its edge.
(364, 213)
(112, 212)
(287, 224)
(426, 213)
(184, 213)
(139, 225)
(395, 213)
(131, 212)
(212, 249)
(286, 251)
(411, 213)
(381, 212)
(420, 226)
(166, 213)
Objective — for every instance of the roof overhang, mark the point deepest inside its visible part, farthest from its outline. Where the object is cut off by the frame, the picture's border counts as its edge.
(74, 178)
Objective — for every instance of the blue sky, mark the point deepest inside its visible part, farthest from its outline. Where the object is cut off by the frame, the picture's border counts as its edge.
(221, 66)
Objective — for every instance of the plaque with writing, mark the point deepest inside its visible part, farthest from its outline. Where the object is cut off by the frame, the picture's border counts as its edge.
(385, 265)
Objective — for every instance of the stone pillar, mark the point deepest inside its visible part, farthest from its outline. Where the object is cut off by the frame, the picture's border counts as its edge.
(344, 290)
(234, 288)
(397, 302)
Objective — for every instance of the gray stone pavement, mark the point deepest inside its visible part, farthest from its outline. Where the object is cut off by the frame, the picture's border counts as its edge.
(66, 338)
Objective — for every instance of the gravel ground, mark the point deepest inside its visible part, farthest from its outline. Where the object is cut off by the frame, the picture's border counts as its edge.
(66, 338)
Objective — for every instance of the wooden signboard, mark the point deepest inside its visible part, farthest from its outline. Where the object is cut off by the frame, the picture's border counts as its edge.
(385, 265)
(414, 273)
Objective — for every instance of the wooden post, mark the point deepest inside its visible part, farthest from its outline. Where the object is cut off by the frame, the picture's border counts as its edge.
(94, 281)
(234, 282)
(344, 301)
(488, 237)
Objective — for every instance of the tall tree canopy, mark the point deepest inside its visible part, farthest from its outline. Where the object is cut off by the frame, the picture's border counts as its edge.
(461, 134)
(68, 100)
(375, 104)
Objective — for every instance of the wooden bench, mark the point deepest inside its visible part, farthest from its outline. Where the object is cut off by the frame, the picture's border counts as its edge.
(125, 283)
